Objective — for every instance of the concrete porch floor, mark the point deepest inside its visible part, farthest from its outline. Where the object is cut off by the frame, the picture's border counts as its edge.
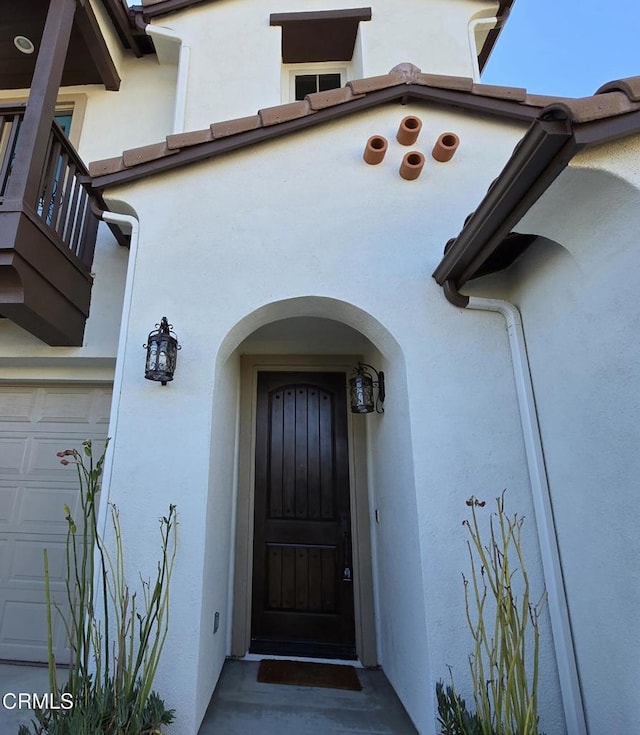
(243, 706)
(16, 678)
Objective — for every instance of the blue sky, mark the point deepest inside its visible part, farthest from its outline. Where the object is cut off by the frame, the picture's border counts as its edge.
(566, 47)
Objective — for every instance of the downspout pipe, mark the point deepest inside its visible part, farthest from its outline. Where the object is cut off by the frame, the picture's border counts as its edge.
(184, 58)
(131, 223)
(549, 550)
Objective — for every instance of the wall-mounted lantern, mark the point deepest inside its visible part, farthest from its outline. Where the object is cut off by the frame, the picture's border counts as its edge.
(162, 353)
(361, 389)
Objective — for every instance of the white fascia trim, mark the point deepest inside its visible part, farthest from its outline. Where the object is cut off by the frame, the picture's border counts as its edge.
(183, 58)
(473, 47)
(556, 594)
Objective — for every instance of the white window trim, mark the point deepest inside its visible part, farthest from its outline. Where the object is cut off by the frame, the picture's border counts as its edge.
(74, 104)
(291, 71)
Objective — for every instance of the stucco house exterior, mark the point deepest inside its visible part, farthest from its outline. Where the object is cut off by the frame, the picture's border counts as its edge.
(207, 165)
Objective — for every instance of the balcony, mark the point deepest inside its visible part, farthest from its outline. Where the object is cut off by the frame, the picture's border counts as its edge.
(47, 241)
(47, 228)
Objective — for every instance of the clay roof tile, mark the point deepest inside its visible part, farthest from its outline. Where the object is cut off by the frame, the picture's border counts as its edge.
(540, 100)
(460, 84)
(184, 140)
(232, 127)
(373, 84)
(330, 98)
(135, 156)
(630, 86)
(284, 113)
(106, 166)
(587, 109)
(517, 94)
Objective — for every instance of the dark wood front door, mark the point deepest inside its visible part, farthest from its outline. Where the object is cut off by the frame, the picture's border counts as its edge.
(302, 601)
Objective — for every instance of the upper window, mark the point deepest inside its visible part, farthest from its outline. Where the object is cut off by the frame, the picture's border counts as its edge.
(64, 121)
(309, 83)
(299, 80)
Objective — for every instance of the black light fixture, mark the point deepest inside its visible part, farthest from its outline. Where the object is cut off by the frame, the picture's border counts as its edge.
(361, 386)
(162, 353)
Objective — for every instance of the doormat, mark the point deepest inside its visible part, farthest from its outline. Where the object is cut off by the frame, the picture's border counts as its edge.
(308, 674)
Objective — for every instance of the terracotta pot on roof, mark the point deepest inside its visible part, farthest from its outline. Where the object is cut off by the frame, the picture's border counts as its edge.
(375, 149)
(411, 165)
(409, 130)
(446, 145)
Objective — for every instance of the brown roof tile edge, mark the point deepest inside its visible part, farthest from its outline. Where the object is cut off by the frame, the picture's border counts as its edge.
(629, 85)
(588, 109)
(283, 113)
(404, 73)
(106, 166)
(581, 110)
(145, 153)
(234, 127)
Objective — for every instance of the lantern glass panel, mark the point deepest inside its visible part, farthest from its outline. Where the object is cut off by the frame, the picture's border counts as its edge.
(361, 388)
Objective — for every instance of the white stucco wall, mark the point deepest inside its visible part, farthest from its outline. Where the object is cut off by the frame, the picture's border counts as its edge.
(304, 216)
(23, 356)
(235, 65)
(580, 314)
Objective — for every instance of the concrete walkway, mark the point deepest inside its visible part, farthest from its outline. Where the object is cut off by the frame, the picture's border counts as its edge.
(14, 679)
(243, 706)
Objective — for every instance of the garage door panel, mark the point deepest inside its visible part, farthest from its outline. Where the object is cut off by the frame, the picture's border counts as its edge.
(103, 408)
(8, 505)
(22, 563)
(36, 422)
(43, 459)
(42, 509)
(23, 629)
(43, 450)
(27, 569)
(66, 407)
(17, 404)
(13, 452)
(37, 507)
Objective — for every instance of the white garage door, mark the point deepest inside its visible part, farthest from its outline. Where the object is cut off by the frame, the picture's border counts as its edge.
(35, 423)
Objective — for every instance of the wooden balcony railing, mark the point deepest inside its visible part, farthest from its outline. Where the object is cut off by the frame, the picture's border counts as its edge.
(63, 203)
(48, 230)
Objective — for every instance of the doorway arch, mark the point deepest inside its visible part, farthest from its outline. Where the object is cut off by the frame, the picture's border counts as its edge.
(309, 334)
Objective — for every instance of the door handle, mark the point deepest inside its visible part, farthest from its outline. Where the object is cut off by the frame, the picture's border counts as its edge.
(347, 572)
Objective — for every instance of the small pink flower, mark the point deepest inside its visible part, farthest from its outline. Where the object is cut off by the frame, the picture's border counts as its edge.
(64, 461)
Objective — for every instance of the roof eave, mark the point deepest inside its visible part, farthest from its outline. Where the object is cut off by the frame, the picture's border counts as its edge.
(164, 7)
(402, 93)
(541, 155)
(544, 152)
(124, 26)
(492, 37)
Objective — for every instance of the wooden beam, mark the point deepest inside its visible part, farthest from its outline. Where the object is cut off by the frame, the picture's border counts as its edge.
(88, 26)
(31, 148)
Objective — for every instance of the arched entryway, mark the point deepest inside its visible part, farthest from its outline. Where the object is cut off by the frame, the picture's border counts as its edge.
(299, 347)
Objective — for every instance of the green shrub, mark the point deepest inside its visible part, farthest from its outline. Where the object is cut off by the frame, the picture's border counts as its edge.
(453, 716)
